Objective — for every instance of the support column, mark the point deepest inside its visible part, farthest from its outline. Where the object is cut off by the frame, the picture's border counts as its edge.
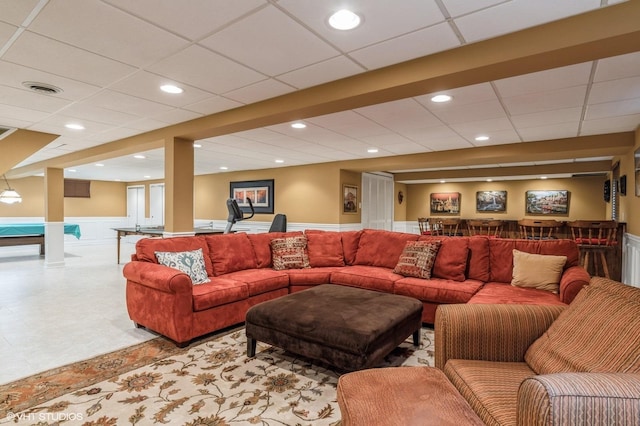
(54, 217)
(178, 175)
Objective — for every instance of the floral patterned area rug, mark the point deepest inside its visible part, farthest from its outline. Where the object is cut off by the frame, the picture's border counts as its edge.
(211, 382)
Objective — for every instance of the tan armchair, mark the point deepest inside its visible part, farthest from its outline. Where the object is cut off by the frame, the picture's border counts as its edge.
(585, 370)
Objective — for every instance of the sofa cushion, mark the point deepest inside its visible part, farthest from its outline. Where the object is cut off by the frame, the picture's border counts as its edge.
(311, 276)
(190, 262)
(146, 248)
(381, 248)
(261, 280)
(479, 266)
(451, 261)
(417, 259)
(350, 241)
(324, 248)
(504, 293)
(437, 290)
(219, 291)
(289, 253)
(491, 388)
(598, 332)
(537, 270)
(230, 253)
(261, 244)
(367, 277)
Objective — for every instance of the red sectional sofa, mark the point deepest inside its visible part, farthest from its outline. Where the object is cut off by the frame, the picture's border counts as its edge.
(466, 270)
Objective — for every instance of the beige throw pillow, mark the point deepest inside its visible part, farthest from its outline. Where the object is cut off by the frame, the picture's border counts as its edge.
(537, 271)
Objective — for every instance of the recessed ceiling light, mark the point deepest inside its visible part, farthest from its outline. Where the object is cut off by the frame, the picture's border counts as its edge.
(543, 177)
(482, 138)
(139, 156)
(372, 150)
(298, 125)
(443, 181)
(441, 98)
(147, 176)
(99, 165)
(344, 20)
(489, 180)
(74, 126)
(224, 168)
(197, 145)
(279, 161)
(170, 88)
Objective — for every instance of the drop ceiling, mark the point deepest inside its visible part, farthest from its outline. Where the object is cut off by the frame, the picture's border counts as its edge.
(110, 57)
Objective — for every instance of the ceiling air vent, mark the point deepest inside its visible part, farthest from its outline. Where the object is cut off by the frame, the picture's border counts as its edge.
(44, 88)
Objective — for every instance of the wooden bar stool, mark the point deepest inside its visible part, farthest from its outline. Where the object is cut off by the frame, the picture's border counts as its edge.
(423, 224)
(492, 228)
(597, 238)
(534, 229)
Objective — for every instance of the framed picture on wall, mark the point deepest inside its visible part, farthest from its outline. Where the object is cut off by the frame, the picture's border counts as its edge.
(491, 201)
(547, 202)
(445, 203)
(637, 171)
(259, 191)
(349, 199)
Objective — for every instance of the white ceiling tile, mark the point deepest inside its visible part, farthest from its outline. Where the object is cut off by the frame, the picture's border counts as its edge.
(259, 91)
(116, 35)
(538, 119)
(192, 19)
(85, 110)
(400, 115)
(44, 54)
(557, 78)
(16, 11)
(381, 20)
(209, 71)
(470, 130)
(607, 91)
(147, 86)
(55, 124)
(348, 123)
(270, 42)
(552, 131)
(26, 98)
(176, 115)
(626, 123)
(18, 113)
(456, 114)
(463, 7)
(6, 32)
(212, 105)
(322, 72)
(514, 15)
(545, 100)
(622, 66)
(410, 46)
(612, 109)
(128, 104)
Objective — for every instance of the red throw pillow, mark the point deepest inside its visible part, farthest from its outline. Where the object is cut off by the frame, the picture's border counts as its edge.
(324, 248)
(417, 259)
(289, 253)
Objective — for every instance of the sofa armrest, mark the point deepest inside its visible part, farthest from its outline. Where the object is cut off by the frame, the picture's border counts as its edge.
(489, 332)
(571, 282)
(580, 398)
(158, 277)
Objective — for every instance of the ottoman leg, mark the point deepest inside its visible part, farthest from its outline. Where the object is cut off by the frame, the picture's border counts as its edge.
(251, 347)
(416, 337)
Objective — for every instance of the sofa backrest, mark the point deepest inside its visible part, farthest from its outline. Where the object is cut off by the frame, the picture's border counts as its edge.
(230, 253)
(501, 254)
(381, 248)
(146, 248)
(261, 244)
(598, 332)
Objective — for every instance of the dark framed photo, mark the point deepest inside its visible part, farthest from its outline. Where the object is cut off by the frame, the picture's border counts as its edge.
(491, 201)
(349, 199)
(260, 192)
(445, 203)
(547, 202)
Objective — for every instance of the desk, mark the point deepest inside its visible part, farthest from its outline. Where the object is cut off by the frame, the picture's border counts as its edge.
(157, 231)
(20, 234)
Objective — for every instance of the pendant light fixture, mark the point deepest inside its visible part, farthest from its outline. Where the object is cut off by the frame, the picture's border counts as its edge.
(9, 196)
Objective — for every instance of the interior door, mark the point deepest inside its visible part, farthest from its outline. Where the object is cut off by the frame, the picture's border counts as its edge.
(135, 205)
(377, 201)
(156, 204)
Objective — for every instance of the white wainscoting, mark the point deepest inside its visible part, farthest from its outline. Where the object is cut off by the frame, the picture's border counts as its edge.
(256, 227)
(631, 260)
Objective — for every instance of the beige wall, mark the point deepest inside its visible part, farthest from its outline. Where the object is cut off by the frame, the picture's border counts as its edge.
(585, 198)
(107, 199)
(400, 209)
(630, 204)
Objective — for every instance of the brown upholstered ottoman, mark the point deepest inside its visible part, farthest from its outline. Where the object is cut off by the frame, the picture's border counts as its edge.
(402, 396)
(347, 327)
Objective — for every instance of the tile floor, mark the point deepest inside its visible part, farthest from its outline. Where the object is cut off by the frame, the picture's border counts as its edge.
(55, 316)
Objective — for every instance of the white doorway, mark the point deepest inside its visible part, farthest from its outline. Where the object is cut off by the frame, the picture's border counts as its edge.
(377, 201)
(156, 204)
(135, 205)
